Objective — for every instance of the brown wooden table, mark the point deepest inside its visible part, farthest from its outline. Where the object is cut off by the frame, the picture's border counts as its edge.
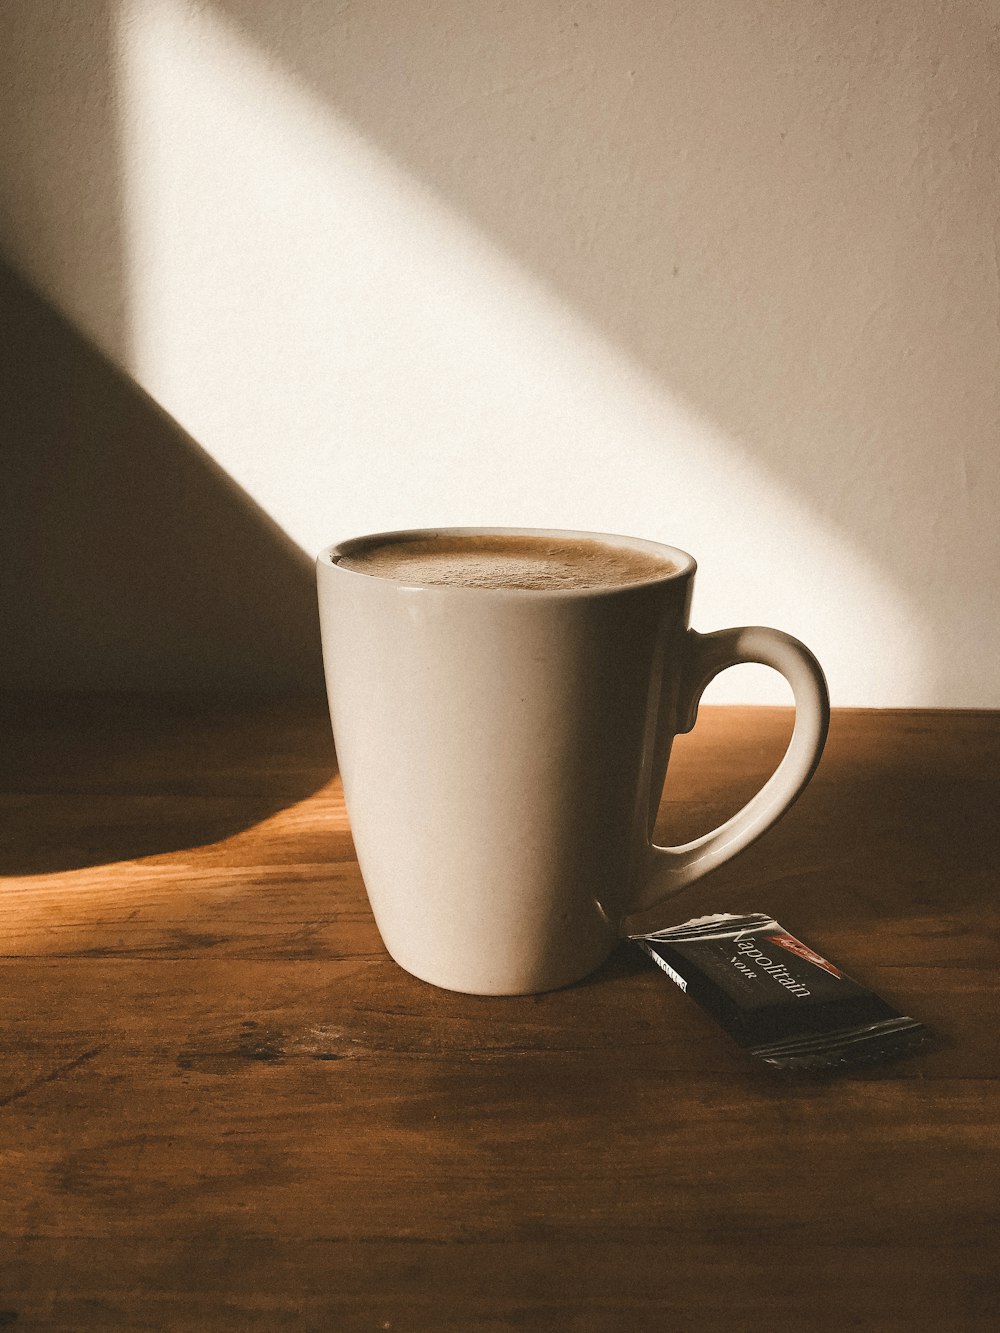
(223, 1107)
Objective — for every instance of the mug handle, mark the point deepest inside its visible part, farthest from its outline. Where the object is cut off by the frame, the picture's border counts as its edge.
(670, 869)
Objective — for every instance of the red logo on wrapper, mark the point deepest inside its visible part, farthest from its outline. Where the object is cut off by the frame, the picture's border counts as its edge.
(801, 950)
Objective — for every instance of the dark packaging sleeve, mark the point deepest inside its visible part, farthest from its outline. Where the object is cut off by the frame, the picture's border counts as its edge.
(776, 997)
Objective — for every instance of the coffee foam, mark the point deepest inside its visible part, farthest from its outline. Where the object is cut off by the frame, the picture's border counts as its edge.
(506, 561)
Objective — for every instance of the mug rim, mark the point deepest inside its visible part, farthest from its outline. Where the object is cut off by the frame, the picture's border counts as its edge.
(684, 563)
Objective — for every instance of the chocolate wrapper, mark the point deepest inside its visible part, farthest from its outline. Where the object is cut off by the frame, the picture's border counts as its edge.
(776, 997)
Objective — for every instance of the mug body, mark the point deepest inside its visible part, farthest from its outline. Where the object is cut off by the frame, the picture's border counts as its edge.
(502, 751)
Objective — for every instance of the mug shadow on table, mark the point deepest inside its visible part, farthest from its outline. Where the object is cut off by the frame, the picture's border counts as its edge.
(91, 780)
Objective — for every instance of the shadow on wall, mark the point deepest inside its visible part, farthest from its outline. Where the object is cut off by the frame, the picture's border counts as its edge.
(131, 565)
(61, 144)
(120, 531)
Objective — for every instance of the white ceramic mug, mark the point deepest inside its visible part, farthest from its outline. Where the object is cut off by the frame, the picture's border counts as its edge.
(503, 752)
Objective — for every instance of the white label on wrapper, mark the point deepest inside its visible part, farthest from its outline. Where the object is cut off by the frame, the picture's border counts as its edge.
(665, 966)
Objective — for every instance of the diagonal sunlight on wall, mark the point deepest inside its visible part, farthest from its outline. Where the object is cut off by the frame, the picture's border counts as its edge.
(356, 357)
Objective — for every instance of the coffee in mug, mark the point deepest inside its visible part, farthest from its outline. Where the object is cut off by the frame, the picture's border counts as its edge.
(478, 560)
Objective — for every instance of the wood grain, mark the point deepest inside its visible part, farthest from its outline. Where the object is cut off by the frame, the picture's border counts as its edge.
(223, 1107)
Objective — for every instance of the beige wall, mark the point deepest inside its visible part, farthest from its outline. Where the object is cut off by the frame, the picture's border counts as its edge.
(719, 273)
